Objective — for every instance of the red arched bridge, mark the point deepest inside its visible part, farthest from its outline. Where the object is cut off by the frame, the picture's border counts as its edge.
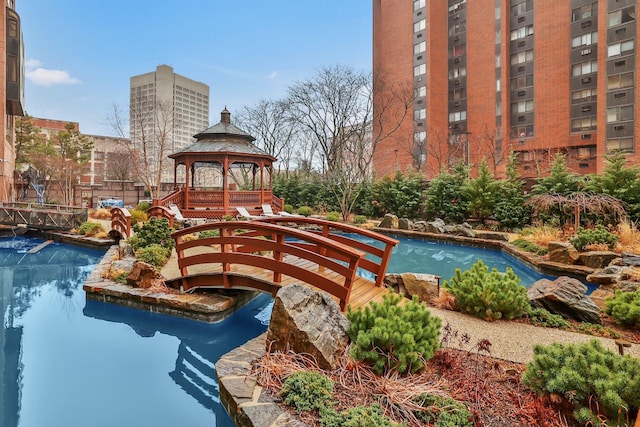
(264, 255)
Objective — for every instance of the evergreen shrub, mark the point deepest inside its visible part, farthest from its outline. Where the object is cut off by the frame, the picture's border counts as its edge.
(624, 307)
(333, 216)
(488, 294)
(359, 416)
(305, 210)
(288, 209)
(307, 391)
(208, 233)
(443, 412)
(156, 230)
(154, 254)
(143, 206)
(594, 380)
(528, 246)
(360, 219)
(390, 336)
(542, 317)
(90, 228)
(585, 237)
(138, 216)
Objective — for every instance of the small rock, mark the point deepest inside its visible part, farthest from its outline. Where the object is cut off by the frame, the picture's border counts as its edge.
(435, 226)
(389, 221)
(563, 252)
(464, 230)
(420, 226)
(630, 259)
(404, 224)
(425, 286)
(142, 275)
(607, 276)
(597, 259)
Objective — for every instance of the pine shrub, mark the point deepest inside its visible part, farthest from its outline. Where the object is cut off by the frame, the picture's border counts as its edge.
(138, 216)
(594, 380)
(542, 317)
(156, 230)
(359, 416)
(624, 307)
(360, 219)
(585, 237)
(443, 412)
(390, 336)
(90, 228)
(488, 294)
(307, 391)
(154, 254)
(305, 211)
(333, 216)
(528, 246)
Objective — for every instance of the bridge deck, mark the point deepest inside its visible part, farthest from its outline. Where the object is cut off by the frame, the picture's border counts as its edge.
(363, 291)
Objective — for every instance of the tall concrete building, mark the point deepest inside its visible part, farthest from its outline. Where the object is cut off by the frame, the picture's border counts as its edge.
(165, 105)
(11, 92)
(490, 76)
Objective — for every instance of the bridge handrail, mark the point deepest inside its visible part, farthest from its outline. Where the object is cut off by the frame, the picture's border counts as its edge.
(377, 268)
(264, 245)
(161, 212)
(42, 206)
(121, 221)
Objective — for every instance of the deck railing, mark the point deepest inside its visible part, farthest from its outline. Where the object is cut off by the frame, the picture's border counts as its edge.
(327, 228)
(121, 221)
(264, 245)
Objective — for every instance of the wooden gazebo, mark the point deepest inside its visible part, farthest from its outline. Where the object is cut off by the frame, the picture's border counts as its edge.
(220, 171)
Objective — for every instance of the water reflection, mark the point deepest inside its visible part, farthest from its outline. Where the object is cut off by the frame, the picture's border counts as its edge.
(200, 344)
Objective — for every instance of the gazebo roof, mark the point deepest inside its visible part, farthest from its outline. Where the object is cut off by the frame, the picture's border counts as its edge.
(223, 138)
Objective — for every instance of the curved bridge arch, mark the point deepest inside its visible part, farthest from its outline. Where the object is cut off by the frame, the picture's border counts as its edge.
(268, 256)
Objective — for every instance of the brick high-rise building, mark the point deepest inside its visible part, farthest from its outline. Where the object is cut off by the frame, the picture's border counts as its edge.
(533, 76)
(11, 92)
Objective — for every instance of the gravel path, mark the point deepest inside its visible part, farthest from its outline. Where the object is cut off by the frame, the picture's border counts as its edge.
(515, 341)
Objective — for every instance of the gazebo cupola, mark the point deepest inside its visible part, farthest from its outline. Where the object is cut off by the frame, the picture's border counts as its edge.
(222, 170)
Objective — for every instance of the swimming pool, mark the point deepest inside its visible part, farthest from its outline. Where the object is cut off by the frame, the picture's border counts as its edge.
(68, 361)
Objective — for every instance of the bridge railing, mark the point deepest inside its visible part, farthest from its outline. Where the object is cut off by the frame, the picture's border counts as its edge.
(161, 212)
(121, 221)
(264, 245)
(381, 252)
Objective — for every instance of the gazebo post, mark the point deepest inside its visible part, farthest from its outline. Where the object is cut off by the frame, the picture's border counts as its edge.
(262, 183)
(225, 184)
(189, 175)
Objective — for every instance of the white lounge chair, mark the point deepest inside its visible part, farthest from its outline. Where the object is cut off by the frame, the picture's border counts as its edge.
(243, 213)
(177, 216)
(267, 211)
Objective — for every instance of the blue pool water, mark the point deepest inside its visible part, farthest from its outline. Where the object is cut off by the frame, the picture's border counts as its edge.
(67, 361)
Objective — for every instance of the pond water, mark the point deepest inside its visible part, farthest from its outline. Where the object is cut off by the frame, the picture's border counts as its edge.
(67, 361)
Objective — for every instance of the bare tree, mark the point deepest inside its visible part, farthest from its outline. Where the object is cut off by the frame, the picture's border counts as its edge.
(117, 165)
(271, 124)
(489, 143)
(151, 126)
(71, 158)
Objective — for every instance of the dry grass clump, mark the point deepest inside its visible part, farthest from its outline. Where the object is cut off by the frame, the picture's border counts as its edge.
(101, 213)
(355, 385)
(541, 236)
(628, 237)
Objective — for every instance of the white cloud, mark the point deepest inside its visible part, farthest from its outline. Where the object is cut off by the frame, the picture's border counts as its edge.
(273, 75)
(33, 63)
(44, 77)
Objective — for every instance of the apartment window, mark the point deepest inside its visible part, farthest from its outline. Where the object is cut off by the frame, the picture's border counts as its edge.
(419, 4)
(421, 91)
(521, 33)
(584, 39)
(456, 6)
(620, 114)
(419, 136)
(419, 48)
(619, 144)
(420, 25)
(585, 152)
(457, 94)
(457, 50)
(457, 72)
(457, 116)
(620, 81)
(621, 48)
(522, 82)
(622, 16)
(522, 107)
(585, 95)
(522, 57)
(420, 114)
(586, 11)
(457, 28)
(419, 70)
(584, 68)
(521, 8)
(583, 124)
(524, 131)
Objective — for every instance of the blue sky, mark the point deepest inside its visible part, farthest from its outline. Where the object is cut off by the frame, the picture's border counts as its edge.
(80, 54)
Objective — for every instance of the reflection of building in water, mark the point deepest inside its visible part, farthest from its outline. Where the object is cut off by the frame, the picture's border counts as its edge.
(10, 352)
(201, 344)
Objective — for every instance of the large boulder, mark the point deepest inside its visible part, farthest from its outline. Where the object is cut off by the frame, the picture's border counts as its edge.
(563, 252)
(122, 265)
(425, 286)
(630, 259)
(420, 226)
(609, 275)
(389, 221)
(435, 226)
(565, 296)
(307, 321)
(142, 275)
(463, 229)
(405, 224)
(597, 259)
